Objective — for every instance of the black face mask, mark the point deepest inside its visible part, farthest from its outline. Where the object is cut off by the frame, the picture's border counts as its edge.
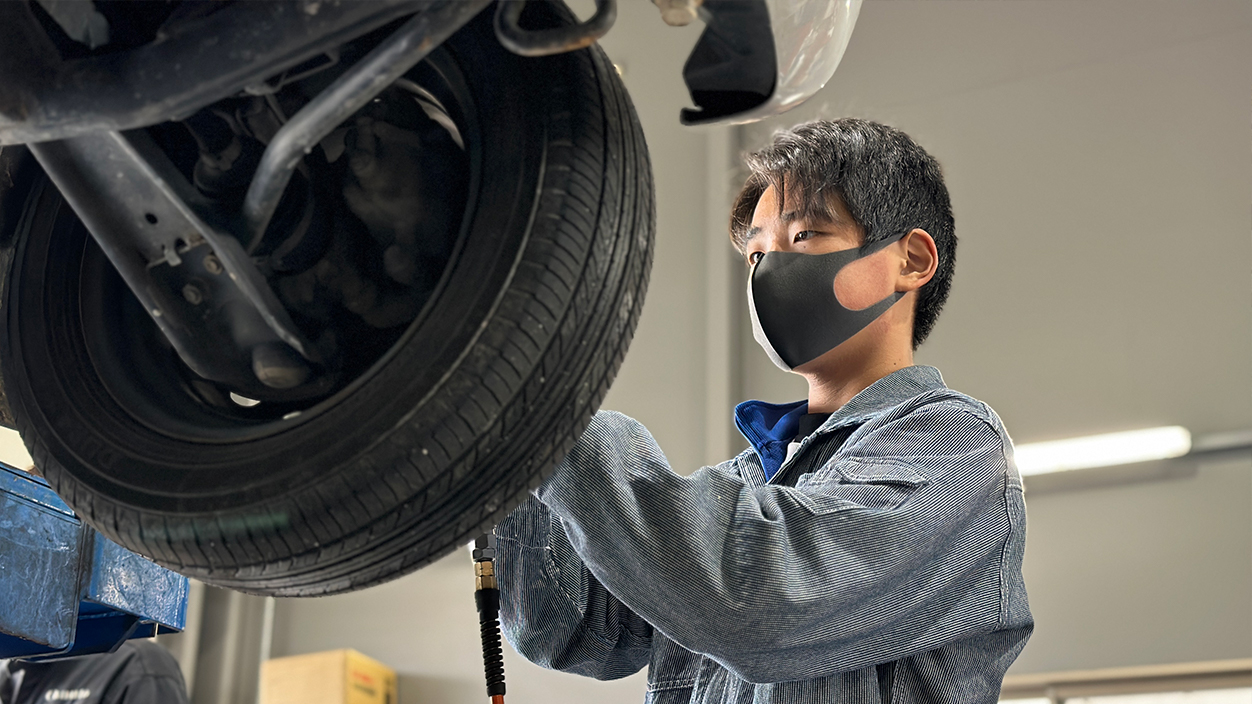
(796, 317)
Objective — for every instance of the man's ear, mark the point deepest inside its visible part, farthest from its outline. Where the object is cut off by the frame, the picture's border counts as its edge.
(921, 258)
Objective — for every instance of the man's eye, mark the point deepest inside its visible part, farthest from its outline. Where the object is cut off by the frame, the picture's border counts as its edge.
(755, 257)
(803, 235)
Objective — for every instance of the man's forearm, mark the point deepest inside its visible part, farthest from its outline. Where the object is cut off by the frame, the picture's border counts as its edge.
(555, 613)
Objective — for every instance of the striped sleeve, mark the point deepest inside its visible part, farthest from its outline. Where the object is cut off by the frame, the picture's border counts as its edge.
(891, 549)
(553, 611)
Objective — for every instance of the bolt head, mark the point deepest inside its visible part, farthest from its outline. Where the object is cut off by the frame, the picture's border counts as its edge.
(193, 294)
(678, 13)
(484, 548)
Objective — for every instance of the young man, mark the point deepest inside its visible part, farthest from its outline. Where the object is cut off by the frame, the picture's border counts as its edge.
(868, 546)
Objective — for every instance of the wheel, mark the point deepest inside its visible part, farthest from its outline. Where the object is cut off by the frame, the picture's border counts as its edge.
(439, 423)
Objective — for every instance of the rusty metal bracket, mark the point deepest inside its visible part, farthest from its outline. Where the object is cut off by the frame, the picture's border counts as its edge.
(546, 42)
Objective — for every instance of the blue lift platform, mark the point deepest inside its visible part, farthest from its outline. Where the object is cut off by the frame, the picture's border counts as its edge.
(66, 590)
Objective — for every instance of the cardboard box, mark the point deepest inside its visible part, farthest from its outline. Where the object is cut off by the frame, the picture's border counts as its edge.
(331, 677)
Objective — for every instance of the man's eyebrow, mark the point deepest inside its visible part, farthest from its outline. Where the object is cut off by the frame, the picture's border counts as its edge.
(813, 217)
(752, 232)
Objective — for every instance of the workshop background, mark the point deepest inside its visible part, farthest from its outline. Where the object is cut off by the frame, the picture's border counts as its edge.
(1097, 153)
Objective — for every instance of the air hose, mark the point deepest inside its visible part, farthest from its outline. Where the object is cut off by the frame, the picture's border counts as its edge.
(487, 598)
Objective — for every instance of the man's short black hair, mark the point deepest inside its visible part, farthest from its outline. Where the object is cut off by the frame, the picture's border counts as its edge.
(889, 184)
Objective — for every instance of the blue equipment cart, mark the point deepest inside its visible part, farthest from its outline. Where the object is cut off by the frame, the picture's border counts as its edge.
(67, 590)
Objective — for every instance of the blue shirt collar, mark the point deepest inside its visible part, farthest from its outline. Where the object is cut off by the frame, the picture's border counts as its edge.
(770, 428)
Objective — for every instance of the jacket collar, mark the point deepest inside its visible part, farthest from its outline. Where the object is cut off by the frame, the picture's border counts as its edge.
(888, 392)
(763, 423)
(770, 427)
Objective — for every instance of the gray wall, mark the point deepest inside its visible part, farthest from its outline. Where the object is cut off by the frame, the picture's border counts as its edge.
(1142, 574)
(1097, 154)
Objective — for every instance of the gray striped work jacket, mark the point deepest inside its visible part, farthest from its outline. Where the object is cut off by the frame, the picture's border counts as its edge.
(882, 563)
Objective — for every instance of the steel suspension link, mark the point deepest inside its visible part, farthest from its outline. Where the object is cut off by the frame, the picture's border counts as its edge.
(193, 279)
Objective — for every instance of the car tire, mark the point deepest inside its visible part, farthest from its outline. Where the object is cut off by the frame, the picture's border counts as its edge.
(486, 390)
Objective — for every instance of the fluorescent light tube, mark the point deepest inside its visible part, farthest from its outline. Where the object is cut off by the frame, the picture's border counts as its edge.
(1103, 450)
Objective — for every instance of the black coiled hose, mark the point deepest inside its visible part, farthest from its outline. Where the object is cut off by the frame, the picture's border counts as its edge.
(487, 598)
(488, 601)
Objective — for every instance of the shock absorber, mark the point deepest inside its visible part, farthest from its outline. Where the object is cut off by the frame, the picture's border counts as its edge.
(487, 598)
